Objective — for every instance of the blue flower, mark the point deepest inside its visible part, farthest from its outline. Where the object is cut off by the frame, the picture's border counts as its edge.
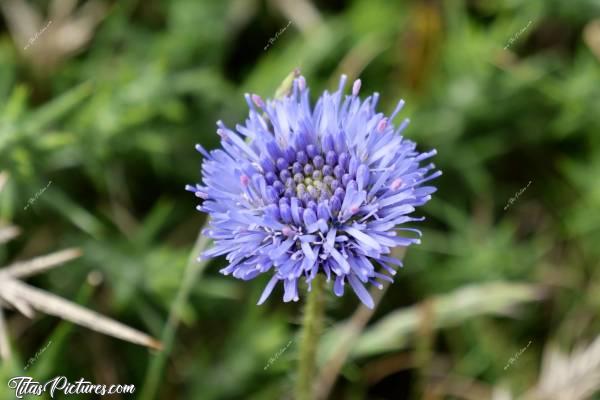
(298, 191)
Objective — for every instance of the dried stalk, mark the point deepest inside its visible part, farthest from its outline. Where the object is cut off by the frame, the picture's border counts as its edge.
(53, 305)
(4, 345)
(24, 269)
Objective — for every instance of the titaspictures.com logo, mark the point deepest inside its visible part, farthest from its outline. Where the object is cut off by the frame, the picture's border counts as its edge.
(25, 385)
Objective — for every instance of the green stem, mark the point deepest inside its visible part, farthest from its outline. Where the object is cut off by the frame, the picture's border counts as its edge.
(309, 340)
(154, 371)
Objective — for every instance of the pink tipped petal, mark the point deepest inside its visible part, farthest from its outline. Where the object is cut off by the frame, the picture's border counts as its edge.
(258, 101)
(381, 125)
(356, 87)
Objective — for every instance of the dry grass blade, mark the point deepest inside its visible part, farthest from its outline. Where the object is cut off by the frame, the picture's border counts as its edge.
(3, 179)
(8, 233)
(69, 29)
(7, 295)
(23, 21)
(304, 14)
(4, 345)
(501, 393)
(37, 265)
(54, 305)
(564, 377)
(395, 330)
(591, 36)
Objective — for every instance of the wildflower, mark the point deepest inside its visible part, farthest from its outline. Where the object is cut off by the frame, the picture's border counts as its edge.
(298, 191)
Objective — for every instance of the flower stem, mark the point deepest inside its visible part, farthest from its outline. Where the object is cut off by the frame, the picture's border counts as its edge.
(309, 340)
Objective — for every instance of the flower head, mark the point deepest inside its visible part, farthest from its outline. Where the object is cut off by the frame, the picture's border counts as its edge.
(298, 191)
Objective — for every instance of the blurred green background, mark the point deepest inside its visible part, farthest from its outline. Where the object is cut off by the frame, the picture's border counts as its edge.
(109, 99)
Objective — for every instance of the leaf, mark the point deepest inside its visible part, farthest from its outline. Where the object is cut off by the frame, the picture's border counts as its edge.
(393, 331)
